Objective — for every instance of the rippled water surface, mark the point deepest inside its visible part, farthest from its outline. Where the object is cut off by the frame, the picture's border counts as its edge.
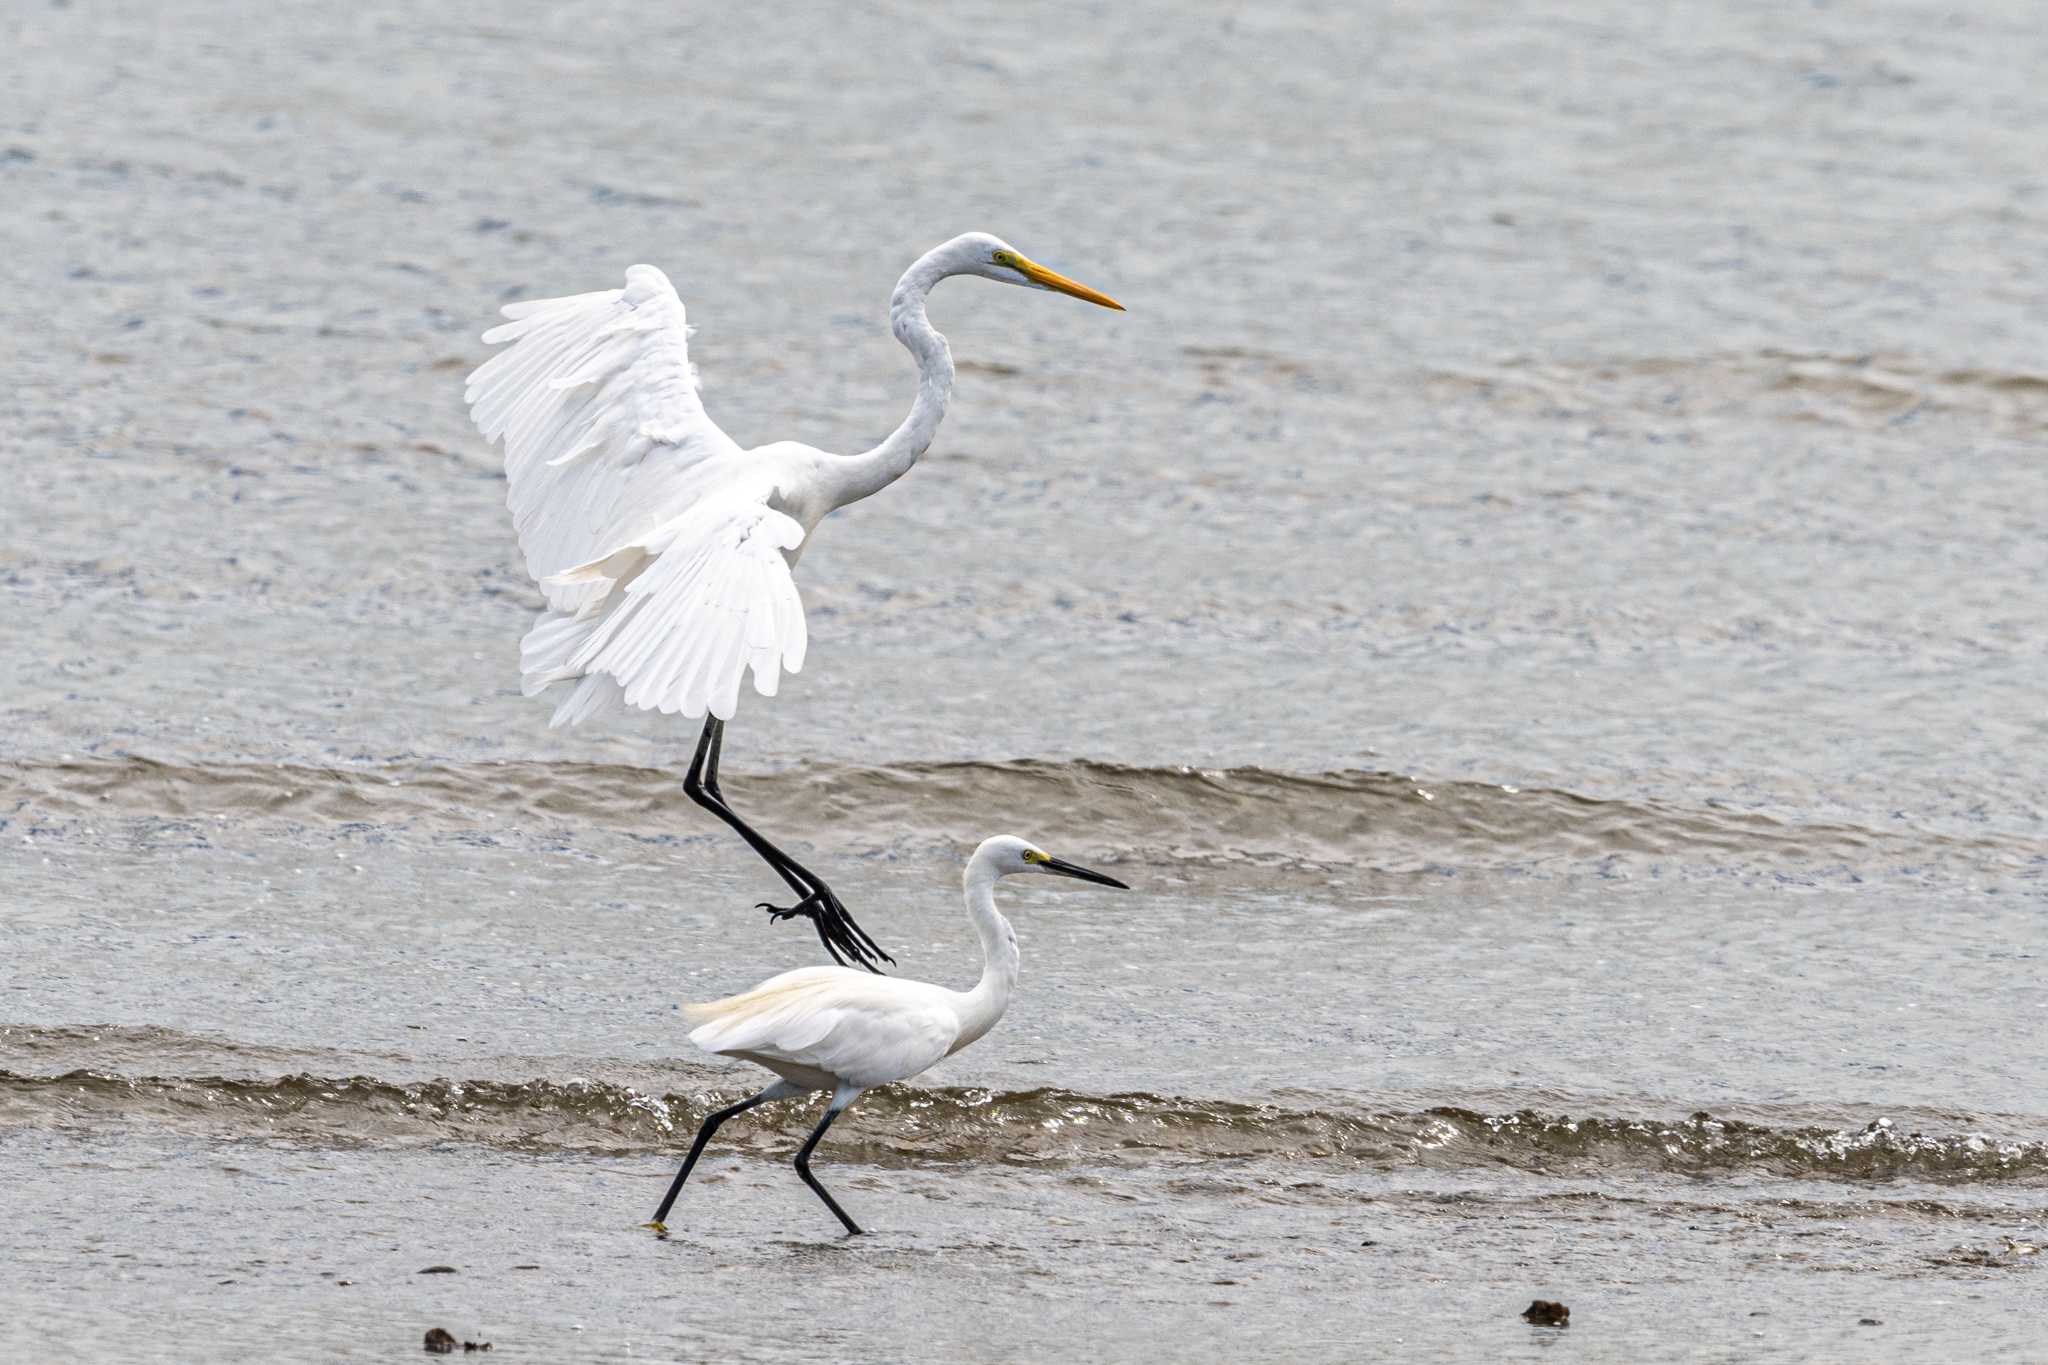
(1542, 594)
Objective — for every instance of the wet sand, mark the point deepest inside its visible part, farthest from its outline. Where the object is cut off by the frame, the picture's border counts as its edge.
(1541, 596)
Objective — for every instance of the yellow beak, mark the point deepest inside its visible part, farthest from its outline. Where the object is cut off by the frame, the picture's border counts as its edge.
(1052, 279)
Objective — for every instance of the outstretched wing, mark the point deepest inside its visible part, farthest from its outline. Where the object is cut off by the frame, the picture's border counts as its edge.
(596, 403)
(673, 621)
(666, 582)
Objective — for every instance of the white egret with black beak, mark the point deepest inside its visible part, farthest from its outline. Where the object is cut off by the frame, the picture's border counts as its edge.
(836, 1029)
(664, 551)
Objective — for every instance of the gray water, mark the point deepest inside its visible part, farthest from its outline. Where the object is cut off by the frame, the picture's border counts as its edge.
(1542, 595)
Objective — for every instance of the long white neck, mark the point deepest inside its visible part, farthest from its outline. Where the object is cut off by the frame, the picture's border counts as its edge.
(874, 470)
(982, 1006)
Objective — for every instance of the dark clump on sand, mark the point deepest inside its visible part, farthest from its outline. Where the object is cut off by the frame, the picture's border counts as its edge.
(1545, 1313)
(437, 1270)
(441, 1342)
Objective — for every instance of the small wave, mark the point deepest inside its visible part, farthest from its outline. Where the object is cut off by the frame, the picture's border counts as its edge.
(899, 1126)
(1373, 820)
(1836, 389)
(146, 1047)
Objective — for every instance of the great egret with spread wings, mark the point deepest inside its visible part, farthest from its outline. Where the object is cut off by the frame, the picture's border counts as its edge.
(663, 550)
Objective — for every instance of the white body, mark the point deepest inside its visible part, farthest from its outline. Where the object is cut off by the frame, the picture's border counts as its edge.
(833, 1028)
(663, 549)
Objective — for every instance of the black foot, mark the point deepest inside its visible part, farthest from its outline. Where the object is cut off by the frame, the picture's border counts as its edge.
(836, 930)
(807, 907)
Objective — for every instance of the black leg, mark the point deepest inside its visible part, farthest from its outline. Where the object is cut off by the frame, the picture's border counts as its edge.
(700, 784)
(777, 1091)
(714, 730)
(815, 900)
(803, 1164)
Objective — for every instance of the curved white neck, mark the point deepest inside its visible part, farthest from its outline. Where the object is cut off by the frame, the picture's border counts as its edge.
(982, 1006)
(874, 470)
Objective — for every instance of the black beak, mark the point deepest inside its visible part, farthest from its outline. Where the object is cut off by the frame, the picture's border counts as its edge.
(1067, 869)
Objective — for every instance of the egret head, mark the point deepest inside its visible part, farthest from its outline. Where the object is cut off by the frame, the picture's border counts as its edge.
(992, 258)
(1010, 855)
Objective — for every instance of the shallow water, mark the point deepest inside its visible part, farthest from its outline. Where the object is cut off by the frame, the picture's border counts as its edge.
(1542, 595)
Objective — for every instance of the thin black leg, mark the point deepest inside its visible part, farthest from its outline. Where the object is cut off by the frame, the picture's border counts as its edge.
(700, 784)
(714, 730)
(815, 900)
(803, 1166)
(711, 1122)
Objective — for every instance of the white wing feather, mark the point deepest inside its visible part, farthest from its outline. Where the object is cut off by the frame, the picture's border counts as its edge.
(664, 572)
(676, 620)
(863, 1029)
(596, 403)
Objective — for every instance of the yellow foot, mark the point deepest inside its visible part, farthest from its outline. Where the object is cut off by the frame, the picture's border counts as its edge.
(660, 1229)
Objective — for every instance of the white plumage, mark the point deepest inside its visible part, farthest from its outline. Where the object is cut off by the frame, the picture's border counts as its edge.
(676, 617)
(655, 539)
(591, 385)
(832, 1028)
(663, 550)
(826, 1026)
(836, 1029)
